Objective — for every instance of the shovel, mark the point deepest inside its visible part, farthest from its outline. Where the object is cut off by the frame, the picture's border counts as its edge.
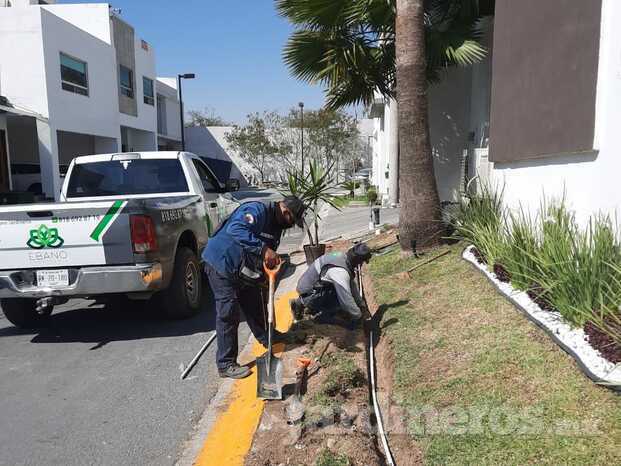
(269, 367)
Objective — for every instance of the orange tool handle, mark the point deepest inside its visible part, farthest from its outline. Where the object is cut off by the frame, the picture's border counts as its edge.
(303, 362)
(272, 273)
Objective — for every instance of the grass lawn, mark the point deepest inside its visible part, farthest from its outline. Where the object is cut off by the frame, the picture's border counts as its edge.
(480, 384)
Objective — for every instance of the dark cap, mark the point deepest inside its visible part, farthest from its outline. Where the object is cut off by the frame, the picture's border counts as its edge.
(359, 253)
(297, 208)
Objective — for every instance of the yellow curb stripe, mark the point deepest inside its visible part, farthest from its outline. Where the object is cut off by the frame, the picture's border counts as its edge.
(230, 438)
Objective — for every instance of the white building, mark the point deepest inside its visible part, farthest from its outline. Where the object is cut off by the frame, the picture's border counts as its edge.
(538, 118)
(211, 145)
(76, 80)
(168, 111)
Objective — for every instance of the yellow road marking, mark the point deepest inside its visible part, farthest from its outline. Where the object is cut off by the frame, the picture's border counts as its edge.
(230, 438)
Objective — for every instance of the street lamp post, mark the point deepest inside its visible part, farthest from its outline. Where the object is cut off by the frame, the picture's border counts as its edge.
(301, 105)
(179, 78)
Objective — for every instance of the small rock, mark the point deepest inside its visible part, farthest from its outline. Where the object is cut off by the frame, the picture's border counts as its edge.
(331, 443)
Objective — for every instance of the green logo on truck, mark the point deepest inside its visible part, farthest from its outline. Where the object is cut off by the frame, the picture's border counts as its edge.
(44, 237)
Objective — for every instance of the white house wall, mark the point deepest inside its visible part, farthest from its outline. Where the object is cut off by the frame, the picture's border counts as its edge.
(93, 114)
(449, 125)
(93, 18)
(588, 182)
(21, 49)
(380, 157)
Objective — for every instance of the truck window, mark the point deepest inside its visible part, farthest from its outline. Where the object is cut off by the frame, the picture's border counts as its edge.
(207, 179)
(126, 177)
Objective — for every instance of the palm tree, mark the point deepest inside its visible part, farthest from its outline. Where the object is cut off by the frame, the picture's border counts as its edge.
(419, 219)
(356, 48)
(348, 46)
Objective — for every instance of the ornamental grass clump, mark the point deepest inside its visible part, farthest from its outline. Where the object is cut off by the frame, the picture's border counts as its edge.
(562, 267)
(481, 220)
(520, 253)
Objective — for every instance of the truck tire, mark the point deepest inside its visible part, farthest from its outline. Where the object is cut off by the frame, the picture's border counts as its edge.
(183, 297)
(22, 313)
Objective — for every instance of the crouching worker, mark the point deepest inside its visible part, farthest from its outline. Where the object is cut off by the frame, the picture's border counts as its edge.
(328, 288)
(234, 259)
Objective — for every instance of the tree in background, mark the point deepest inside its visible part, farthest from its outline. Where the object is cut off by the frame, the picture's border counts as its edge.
(204, 119)
(357, 48)
(271, 143)
(253, 144)
(331, 137)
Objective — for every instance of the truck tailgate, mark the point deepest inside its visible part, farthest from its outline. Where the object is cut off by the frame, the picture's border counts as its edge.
(65, 235)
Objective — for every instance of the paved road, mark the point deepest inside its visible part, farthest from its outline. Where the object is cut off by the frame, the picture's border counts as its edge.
(101, 385)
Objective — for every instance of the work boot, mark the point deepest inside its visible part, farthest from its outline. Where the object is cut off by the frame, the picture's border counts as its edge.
(277, 337)
(234, 371)
(297, 309)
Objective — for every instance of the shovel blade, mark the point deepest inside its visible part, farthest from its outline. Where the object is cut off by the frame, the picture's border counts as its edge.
(269, 383)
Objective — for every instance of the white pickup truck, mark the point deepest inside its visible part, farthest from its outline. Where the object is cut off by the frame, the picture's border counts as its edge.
(129, 224)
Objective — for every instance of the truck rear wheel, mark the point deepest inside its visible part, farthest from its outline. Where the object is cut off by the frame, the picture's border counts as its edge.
(22, 313)
(184, 295)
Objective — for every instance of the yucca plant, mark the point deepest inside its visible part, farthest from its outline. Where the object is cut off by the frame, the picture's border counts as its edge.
(350, 185)
(313, 187)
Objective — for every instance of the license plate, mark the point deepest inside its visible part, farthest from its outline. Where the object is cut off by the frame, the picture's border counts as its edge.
(52, 278)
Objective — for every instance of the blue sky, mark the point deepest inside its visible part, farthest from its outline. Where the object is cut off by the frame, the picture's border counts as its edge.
(233, 46)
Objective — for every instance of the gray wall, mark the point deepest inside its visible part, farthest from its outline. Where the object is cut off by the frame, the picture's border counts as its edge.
(71, 145)
(544, 79)
(126, 56)
(23, 142)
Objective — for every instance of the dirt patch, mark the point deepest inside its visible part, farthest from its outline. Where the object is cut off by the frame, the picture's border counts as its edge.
(337, 417)
(336, 428)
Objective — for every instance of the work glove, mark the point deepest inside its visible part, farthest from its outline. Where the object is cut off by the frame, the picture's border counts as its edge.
(270, 258)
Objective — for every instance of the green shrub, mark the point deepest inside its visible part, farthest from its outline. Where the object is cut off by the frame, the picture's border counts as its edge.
(372, 195)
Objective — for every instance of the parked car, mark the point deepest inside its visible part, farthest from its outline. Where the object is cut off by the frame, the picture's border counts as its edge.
(128, 225)
(26, 177)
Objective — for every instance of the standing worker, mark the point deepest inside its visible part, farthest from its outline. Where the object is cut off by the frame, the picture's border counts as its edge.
(328, 288)
(234, 259)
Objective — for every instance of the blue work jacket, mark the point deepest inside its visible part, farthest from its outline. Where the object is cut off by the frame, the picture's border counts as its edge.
(242, 237)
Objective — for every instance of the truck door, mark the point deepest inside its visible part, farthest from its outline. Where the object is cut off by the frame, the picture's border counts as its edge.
(211, 195)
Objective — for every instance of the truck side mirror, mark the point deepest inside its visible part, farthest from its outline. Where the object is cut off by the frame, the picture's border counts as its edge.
(232, 184)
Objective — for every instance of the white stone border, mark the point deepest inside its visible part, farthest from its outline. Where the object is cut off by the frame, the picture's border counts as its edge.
(573, 340)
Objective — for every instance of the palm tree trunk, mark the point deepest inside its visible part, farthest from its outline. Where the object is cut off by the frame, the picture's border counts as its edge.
(420, 217)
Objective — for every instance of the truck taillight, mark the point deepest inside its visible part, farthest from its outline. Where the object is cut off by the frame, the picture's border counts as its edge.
(143, 234)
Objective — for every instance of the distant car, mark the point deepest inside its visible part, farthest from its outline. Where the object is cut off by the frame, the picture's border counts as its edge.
(362, 174)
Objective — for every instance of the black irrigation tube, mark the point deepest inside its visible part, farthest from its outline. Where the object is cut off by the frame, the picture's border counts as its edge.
(372, 388)
(583, 367)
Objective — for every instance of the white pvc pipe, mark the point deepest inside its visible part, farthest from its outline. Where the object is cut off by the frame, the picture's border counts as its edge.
(376, 408)
(198, 355)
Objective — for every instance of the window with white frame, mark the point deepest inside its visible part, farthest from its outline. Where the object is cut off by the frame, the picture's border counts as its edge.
(147, 90)
(127, 81)
(73, 75)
